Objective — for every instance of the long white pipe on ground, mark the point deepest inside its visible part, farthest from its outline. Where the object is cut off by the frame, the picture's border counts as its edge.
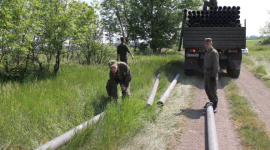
(211, 128)
(164, 97)
(65, 138)
(153, 92)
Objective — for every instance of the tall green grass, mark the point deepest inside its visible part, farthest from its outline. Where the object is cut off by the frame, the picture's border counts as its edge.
(34, 113)
(124, 120)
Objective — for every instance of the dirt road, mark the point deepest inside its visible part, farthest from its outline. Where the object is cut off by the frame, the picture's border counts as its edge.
(257, 93)
(175, 129)
(195, 137)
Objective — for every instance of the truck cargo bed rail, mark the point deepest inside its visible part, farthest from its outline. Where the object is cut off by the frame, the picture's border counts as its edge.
(223, 37)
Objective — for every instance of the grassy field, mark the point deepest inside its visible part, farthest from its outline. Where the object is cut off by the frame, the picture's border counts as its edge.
(258, 60)
(34, 113)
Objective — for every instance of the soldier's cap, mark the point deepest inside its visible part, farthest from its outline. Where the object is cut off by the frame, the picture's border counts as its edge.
(112, 63)
(206, 40)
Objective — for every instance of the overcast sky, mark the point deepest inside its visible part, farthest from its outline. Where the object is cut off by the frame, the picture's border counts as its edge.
(254, 11)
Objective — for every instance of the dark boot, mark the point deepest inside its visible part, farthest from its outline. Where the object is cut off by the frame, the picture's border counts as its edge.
(114, 98)
(215, 106)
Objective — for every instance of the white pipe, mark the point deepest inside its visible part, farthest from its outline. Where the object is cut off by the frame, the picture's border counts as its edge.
(211, 128)
(164, 97)
(65, 138)
(153, 92)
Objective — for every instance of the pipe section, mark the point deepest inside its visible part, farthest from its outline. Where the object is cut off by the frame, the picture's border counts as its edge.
(164, 97)
(211, 128)
(65, 138)
(153, 92)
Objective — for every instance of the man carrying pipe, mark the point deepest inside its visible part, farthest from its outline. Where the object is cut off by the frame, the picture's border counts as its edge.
(211, 3)
(119, 74)
(211, 67)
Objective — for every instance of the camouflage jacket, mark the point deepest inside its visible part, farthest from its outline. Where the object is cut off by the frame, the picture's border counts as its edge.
(123, 74)
(211, 61)
(122, 50)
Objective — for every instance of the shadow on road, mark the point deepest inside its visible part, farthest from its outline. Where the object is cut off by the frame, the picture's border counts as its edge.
(192, 113)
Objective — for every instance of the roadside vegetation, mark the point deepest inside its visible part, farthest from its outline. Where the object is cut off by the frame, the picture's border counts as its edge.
(34, 113)
(258, 60)
(124, 120)
(252, 131)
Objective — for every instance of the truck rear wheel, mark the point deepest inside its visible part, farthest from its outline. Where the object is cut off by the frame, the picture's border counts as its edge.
(190, 72)
(233, 73)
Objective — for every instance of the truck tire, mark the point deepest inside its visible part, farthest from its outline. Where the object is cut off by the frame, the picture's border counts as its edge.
(233, 73)
(189, 72)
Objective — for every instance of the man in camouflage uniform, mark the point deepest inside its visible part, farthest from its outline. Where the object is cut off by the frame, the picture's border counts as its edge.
(122, 51)
(119, 74)
(211, 3)
(211, 67)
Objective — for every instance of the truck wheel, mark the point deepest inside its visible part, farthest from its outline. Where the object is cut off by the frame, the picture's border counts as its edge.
(190, 72)
(233, 73)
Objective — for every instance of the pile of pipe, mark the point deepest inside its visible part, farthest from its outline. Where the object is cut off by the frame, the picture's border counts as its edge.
(222, 16)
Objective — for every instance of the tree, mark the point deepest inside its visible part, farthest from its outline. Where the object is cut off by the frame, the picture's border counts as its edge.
(30, 28)
(13, 25)
(266, 31)
(113, 18)
(155, 21)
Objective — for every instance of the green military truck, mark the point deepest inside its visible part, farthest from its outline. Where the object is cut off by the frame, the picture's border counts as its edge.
(222, 24)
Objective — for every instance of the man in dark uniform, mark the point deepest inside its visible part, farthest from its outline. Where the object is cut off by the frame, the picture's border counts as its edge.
(122, 51)
(211, 3)
(119, 74)
(211, 67)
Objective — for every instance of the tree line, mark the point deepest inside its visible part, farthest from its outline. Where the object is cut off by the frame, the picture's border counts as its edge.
(36, 36)
(155, 21)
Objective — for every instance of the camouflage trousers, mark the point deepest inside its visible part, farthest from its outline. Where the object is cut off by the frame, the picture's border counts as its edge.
(210, 87)
(112, 89)
(124, 60)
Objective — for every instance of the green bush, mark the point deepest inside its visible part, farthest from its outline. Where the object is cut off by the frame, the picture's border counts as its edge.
(265, 41)
(144, 49)
(97, 53)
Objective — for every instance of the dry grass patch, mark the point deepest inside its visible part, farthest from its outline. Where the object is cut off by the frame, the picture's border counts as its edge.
(168, 126)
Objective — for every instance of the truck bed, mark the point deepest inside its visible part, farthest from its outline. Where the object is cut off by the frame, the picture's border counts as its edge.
(223, 37)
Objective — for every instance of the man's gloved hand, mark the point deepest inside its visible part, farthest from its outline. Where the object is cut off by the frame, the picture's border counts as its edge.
(213, 78)
(132, 56)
